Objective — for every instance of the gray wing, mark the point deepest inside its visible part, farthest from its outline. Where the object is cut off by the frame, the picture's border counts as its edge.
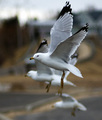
(41, 68)
(62, 28)
(68, 47)
(72, 61)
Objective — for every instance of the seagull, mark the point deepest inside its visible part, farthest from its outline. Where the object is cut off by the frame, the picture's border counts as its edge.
(52, 79)
(47, 74)
(63, 44)
(43, 72)
(69, 102)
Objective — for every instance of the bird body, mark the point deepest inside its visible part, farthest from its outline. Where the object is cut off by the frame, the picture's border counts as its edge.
(66, 105)
(46, 59)
(68, 102)
(56, 63)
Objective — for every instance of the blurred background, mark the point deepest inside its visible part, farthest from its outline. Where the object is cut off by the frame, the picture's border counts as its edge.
(23, 25)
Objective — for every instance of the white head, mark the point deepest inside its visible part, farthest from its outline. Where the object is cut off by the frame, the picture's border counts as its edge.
(38, 56)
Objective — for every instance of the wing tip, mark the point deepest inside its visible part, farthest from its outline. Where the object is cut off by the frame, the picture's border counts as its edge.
(66, 9)
(44, 42)
(75, 55)
(86, 27)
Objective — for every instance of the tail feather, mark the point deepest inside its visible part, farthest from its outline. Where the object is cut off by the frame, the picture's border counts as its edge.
(74, 70)
(69, 83)
(81, 107)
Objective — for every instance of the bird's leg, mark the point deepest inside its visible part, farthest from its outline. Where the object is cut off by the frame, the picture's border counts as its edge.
(60, 89)
(73, 111)
(62, 79)
(48, 87)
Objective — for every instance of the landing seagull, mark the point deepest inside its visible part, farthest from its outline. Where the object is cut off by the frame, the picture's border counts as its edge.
(63, 44)
(69, 102)
(45, 73)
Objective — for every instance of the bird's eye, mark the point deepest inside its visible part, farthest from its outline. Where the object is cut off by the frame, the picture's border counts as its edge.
(37, 55)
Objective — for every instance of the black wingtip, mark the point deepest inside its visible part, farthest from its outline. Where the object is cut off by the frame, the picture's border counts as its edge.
(67, 3)
(44, 42)
(75, 55)
(67, 8)
(86, 27)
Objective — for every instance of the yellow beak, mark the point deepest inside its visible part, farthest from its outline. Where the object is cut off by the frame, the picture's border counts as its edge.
(31, 58)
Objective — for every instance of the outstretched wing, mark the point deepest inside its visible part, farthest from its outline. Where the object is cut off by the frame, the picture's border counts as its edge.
(68, 47)
(62, 28)
(41, 68)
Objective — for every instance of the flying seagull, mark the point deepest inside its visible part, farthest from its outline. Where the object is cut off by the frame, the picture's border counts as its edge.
(45, 73)
(63, 44)
(69, 102)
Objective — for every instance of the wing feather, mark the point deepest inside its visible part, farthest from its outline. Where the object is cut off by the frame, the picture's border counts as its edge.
(68, 47)
(62, 29)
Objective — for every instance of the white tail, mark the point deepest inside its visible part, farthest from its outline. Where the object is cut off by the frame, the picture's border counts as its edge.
(74, 70)
(70, 83)
(81, 107)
